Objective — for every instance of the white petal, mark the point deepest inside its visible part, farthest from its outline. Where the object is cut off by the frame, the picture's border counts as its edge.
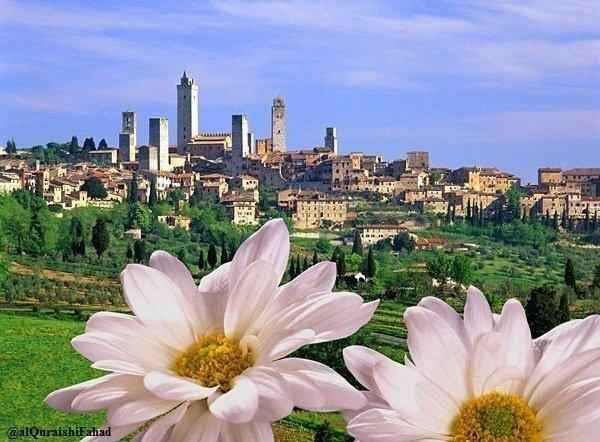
(254, 289)
(139, 410)
(278, 344)
(175, 388)
(416, 399)
(121, 367)
(159, 304)
(448, 314)
(118, 389)
(216, 281)
(381, 425)
(484, 360)
(274, 399)
(478, 315)
(431, 340)
(62, 399)
(515, 332)
(159, 429)
(361, 361)
(239, 404)
(270, 243)
(316, 387)
(197, 425)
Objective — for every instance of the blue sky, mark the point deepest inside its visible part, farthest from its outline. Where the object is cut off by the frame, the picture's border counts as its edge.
(511, 83)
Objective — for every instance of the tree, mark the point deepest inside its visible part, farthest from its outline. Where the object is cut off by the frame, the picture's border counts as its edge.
(74, 145)
(305, 264)
(324, 433)
(201, 261)
(586, 224)
(541, 310)
(315, 258)
(212, 256)
(11, 146)
(89, 144)
(461, 269)
(357, 246)
(563, 313)
(224, 257)
(77, 239)
(129, 253)
(341, 263)
(132, 195)
(100, 237)
(439, 267)
(370, 265)
(181, 255)
(564, 223)
(570, 279)
(596, 280)
(298, 267)
(555, 222)
(513, 202)
(403, 241)
(153, 197)
(334, 255)
(138, 217)
(94, 188)
(102, 144)
(139, 250)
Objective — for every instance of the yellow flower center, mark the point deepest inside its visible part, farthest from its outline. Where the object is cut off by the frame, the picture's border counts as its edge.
(214, 360)
(496, 417)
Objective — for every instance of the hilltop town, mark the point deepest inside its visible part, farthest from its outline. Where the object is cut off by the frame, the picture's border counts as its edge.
(317, 187)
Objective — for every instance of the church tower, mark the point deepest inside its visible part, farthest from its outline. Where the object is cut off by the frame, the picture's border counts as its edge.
(187, 111)
(278, 132)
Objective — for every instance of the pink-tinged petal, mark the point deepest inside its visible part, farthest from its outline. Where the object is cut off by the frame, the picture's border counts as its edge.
(564, 345)
(576, 406)
(197, 425)
(158, 303)
(332, 316)
(217, 281)
(278, 344)
(250, 432)
(448, 314)
(118, 389)
(174, 388)
(384, 425)
(431, 340)
(514, 329)
(116, 433)
(271, 243)
(121, 367)
(484, 360)
(239, 404)
(63, 398)
(98, 346)
(316, 387)
(361, 361)
(254, 289)
(415, 398)
(478, 314)
(374, 400)
(139, 410)
(159, 429)
(274, 399)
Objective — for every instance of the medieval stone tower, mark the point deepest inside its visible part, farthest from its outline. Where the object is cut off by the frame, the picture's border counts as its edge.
(127, 137)
(278, 133)
(187, 111)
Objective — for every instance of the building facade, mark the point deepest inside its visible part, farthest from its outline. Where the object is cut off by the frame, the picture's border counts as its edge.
(278, 126)
(187, 111)
(127, 137)
(158, 136)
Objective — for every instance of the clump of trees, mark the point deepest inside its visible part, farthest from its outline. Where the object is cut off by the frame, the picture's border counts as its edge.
(545, 309)
(94, 188)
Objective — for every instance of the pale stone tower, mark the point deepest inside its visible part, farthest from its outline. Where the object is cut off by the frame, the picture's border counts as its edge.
(159, 137)
(148, 158)
(331, 141)
(127, 137)
(187, 111)
(278, 133)
(239, 142)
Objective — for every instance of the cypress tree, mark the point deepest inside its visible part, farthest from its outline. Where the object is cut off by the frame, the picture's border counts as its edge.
(132, 197)
(212, 256)
(555, 220)
(298, 269)
(100, 237)
(305, 264)
(341, 264)
(371, 267)
(357, 246)
(315, 258)
(129, 253)
(139, 250)
(469, 210)
(453, 213)
(563, 314)
(77, 239)
(541, 310)
(292, 268)
(153, 197)
(564, 222)
(570, 279)
(224, 257)
(201, 261)
(586, 224)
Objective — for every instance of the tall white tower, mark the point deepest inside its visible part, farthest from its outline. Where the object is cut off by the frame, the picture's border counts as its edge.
(158, 136)
(127, 137)
(278, 132)
(240, 148)
(331, 141)
(187, 111)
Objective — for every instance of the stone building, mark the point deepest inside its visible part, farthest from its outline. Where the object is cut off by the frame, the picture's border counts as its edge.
(278, 126)
(417, 160)
(174, 221)
(187, 111)
(241, 208)
(331, 140)
(127, 137)
(240, 150)
(211, 146)
(549, 175)
(314, 209)
(263, 147)
(158, 136)
(373, 233)
(148, 158)
(103, 156)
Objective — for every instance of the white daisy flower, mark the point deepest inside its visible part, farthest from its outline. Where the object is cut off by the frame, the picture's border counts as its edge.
(209, 363)
(481, 379)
